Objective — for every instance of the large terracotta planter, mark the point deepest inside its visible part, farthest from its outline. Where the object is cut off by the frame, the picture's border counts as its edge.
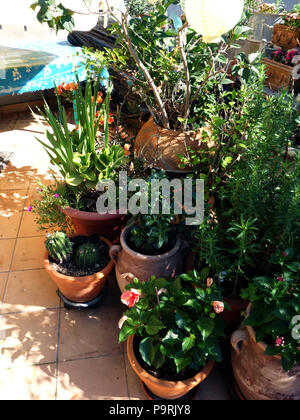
(286, 37)
(278, 75)
(160, 147)
(261, 377)
(167, 390)
(90, 223)
(80, 289)
(130, 264)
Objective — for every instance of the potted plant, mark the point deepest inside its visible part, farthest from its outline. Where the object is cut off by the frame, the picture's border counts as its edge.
(84, 156)
(172, 330)
(193, 67)
(257, 203)
(151, 244)
(79, 265)
(266, 349)
(287, 33)
(279, 69)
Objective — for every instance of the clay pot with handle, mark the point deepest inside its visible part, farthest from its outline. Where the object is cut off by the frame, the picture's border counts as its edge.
(130, 264)
(261, 377)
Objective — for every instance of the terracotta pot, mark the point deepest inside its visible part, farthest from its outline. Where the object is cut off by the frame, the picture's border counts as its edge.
(286, 37)
(278, 75)
(130, 264)
(160, 147)
(92, 223)
(80, 289)
(232, 318)
(167, 390)
(261, 377)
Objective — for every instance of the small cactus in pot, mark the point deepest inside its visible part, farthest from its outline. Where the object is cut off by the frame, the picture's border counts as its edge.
(59, 246)
(87, 255)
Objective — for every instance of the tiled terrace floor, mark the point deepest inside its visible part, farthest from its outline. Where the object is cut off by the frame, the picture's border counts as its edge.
(46, 351)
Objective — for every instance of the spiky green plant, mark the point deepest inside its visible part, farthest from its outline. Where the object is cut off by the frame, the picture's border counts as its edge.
(59, 246)
(87, 255)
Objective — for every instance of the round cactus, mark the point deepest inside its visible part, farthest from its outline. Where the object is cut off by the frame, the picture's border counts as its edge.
(87, 255)
(58, 246)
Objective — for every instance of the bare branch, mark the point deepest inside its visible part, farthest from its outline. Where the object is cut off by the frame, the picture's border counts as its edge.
(187, 74)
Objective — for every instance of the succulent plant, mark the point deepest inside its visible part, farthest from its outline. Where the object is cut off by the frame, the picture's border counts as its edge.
(59, 246)
(87, 255)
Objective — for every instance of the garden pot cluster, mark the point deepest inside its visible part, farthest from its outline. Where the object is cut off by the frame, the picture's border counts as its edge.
(186, 285)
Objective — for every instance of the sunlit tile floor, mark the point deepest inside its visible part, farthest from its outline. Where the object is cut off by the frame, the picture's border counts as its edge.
(48, 352)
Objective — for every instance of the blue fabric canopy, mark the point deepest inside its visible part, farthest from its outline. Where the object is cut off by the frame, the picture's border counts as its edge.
(37, 66)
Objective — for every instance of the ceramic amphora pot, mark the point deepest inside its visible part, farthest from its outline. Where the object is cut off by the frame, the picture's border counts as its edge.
(261, 377)
(130, 264)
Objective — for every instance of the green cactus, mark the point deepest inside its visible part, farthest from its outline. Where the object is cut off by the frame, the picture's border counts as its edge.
(58, 246)
(87, 255)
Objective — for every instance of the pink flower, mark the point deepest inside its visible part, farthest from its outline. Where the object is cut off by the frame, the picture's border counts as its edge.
(280, 278)
(130, 298)
(29, 208)
(279, 342)
(218, 307)
(285, 254)
(56, 195)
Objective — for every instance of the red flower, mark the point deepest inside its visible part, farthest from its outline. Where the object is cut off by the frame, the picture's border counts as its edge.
(110, 119)
(218, 306)
(131, 297)
(99, 98)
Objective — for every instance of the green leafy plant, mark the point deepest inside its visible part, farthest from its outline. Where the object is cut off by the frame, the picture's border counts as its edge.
(258, 201)
(81, 160)
(177, 322)
(154, 233)
(58, 246)
(275, 306)
(53, 198)
(87, 255)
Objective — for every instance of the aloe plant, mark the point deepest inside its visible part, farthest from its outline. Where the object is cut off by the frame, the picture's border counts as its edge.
(75, 152)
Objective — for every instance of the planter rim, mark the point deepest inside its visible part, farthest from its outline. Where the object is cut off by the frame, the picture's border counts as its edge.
(284, 67)
(86, 215)
(100, 273)
(199, 377)
(149, 257)
(261, 344)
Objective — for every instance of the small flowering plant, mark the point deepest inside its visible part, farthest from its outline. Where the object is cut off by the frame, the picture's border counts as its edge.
(275, 306)
(66, 91)
(177, 323)
(278, 55)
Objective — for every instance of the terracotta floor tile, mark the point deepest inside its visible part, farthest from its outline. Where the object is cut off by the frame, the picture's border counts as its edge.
(29, 290)
(134, 385)
(17, 179)
(92, 379)
(29, 253)
(3, 279)
(28, 338)
(28, 383)
(28, 225)
(6, 253)
(11, 207)
(89, 333)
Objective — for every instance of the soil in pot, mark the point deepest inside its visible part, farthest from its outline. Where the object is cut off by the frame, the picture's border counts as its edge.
(164, 373)
(152, 252)
(69, 268)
